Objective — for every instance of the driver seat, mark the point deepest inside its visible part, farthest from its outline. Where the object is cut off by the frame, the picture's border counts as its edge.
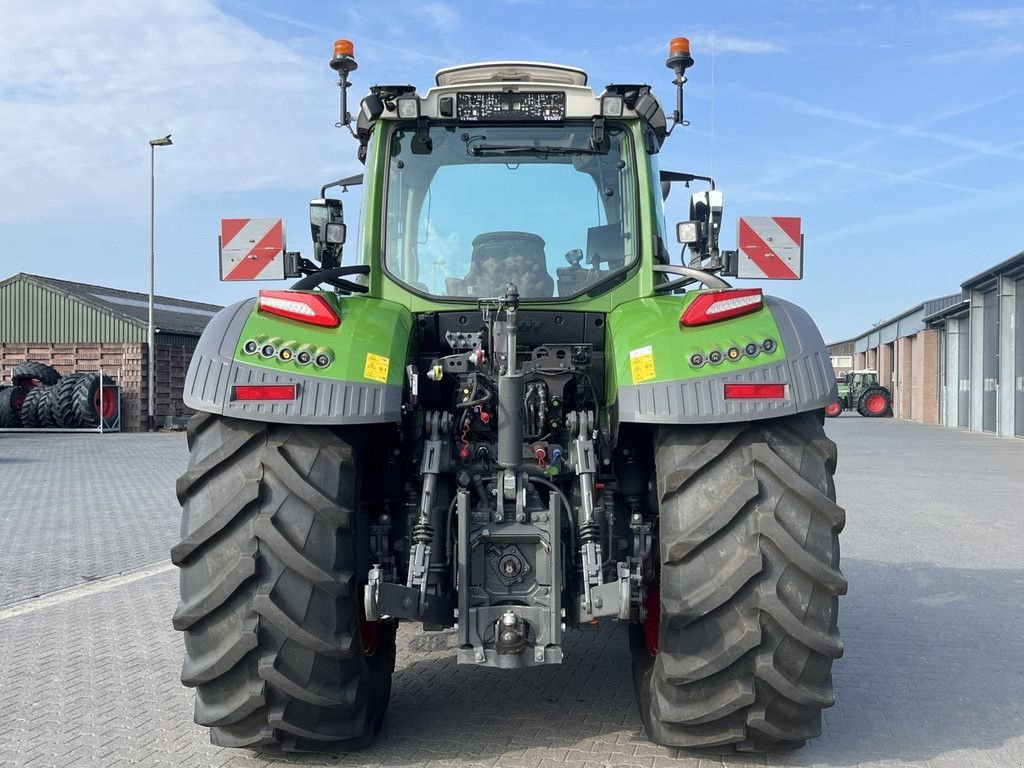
(500, 258)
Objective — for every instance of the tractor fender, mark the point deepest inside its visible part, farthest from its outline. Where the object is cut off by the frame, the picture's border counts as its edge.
(661, 372)
(362, 385)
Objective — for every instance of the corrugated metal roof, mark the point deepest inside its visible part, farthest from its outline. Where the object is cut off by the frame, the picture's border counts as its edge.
(1012, 267)
(169, 314)
(937, 305)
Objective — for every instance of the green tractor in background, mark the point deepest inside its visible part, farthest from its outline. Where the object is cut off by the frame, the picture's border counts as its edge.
(860, 390)
(510, 416)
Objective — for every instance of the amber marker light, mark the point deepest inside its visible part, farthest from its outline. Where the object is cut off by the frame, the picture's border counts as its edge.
(344, 48)
(679, 46)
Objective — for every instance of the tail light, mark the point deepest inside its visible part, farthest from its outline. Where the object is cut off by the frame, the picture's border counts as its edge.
(310, 308)
(755, 391)
(257, 392)
(721, 305)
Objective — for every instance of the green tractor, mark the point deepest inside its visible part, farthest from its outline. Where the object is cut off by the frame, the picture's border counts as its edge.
(860, 390)
(510, 416)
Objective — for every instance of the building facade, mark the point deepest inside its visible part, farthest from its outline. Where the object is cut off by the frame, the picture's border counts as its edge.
(76, 327)
(957, 360)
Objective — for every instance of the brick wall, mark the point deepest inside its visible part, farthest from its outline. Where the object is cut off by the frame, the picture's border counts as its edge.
(926, 375)
(171, 366)
(885, 365)
(128, 360)
(903, 394)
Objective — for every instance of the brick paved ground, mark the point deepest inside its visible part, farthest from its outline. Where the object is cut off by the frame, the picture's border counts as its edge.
(933, 625)
(76, 507)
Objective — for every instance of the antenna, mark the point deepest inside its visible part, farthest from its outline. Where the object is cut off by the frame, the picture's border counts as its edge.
(714, 37)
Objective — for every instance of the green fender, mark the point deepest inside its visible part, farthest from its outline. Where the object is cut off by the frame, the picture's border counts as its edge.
(359, 378)
(661, 372)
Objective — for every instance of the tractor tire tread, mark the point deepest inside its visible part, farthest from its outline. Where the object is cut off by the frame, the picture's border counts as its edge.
(269, 600)
(749, 586)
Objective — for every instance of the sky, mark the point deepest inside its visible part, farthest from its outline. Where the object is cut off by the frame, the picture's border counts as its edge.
(894, 130)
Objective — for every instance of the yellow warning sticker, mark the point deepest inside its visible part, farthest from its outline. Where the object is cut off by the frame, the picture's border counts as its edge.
(641, 364)
(376, 368)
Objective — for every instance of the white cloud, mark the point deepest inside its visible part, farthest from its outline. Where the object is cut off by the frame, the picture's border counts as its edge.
(83, 87)
(734, 44)
(998, 49)
(993, 18)
(441, 16)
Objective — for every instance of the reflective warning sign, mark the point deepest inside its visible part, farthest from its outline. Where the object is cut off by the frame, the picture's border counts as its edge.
(252, 249)
(770, 248)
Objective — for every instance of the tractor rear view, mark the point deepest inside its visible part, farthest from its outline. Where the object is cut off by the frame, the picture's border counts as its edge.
(510, 415)
(860, 391)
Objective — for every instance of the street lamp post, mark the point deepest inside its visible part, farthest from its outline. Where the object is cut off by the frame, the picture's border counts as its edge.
(151, 394)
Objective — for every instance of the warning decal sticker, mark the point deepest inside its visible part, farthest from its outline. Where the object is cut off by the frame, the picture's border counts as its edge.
(376, 368)
(641, 364)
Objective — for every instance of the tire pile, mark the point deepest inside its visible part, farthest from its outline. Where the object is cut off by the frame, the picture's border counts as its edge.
(39, 396)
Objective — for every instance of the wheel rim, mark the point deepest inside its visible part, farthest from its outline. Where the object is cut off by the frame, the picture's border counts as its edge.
(652, 619)
(29, 384)
(875, 404)
(832, 409)
(369, 633)
(109, 403)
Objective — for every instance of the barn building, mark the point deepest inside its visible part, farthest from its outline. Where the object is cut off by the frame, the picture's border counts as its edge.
(956, 360)
(76, 327)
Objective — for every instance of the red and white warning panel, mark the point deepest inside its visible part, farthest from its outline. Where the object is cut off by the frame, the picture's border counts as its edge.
(252, 249)
(770, 248)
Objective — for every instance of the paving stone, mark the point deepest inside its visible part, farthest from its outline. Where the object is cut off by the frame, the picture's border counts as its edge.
(933, 627)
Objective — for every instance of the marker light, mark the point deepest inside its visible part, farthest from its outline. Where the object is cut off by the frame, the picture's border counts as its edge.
(295, 305)
(344, 48)
(755, 391)
(251, 392)
(713, 306)
(408, 108)
(677, 46)
(611, 106)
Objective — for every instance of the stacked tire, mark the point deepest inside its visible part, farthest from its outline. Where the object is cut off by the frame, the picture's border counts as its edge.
(41, 398)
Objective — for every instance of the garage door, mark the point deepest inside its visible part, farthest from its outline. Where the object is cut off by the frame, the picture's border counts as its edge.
(1018, 356)
(963, 372)
(990, 360)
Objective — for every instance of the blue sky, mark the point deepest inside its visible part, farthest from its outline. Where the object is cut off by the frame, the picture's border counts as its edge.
(894, 130)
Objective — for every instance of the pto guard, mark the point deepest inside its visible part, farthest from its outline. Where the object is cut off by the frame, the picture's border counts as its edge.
(362, 383)
(664, 373)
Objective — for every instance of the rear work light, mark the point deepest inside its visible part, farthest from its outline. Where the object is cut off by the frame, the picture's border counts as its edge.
(257, 392)
(755, 391)
(720, 305)
(305, 307)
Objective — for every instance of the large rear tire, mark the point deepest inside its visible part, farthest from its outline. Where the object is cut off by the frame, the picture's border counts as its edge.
(875, 402)
(738, 652)
(270, 587)
(30, 374)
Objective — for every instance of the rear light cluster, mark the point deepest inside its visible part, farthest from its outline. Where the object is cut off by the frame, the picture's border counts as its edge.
(755, 391)
(248, 393)
(732, 354)
(289, 351)
(310, 308)
(712, 306)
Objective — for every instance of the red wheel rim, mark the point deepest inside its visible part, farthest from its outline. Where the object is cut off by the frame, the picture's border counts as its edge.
(652, 619)
(875, 404)
(19, 400)
(369, 633)
(29, 384)
(833, 409)
(108, 407)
